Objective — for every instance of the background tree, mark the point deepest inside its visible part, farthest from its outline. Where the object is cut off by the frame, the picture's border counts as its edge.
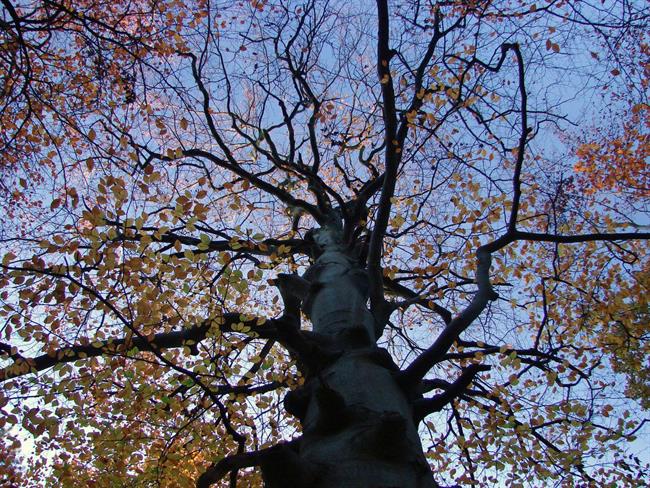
(323, 244)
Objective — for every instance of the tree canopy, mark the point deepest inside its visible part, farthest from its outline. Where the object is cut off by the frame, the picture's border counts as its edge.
(215, 210)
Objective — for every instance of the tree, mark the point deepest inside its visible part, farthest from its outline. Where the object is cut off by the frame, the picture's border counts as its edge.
(323, 244)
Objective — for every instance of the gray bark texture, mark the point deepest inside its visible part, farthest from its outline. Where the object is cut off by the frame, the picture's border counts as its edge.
(358, 422)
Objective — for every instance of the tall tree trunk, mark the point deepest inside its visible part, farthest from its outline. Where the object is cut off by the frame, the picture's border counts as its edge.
(358, 425)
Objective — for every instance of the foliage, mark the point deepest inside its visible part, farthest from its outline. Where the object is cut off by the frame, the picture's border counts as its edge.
(164, 164)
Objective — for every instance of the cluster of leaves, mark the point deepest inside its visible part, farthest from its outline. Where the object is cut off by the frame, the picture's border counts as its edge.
(602, 158)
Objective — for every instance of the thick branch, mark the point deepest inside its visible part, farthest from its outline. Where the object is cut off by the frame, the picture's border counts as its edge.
(435, 353)
(263, 248)
(279, 461)
(565, 239)
(238, 461)
(523, 137)
(413, 297)
(426, 406)
(485, 293)
(392, 156)
(112, 347)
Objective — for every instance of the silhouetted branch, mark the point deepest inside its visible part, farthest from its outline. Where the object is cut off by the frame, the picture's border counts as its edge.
(188, 336)
(426, 406)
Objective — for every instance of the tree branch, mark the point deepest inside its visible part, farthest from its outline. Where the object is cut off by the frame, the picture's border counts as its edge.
(567, 239)
(426, 406)
(391, 155)
(435, 353)
(231, 163)
(413, 297)
(279, 461)
(115, 346)
(523, 138)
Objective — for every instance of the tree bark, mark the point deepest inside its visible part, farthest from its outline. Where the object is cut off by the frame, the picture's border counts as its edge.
(358, 423)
